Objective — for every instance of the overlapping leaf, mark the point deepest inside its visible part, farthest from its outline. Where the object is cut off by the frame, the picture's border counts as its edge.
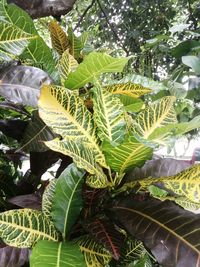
(67, 200)
(48, 197)
(66, 65)
(13, 40)
(128, 89)
(108, 115)
(47, 254)
(94, 253)
(152, 122)
(64, 112)
(104, 232)
(168, 231)
(92, 66)
(186, 183)
(21, 84)
(58, 37)
(83, 156)
(127, 155)
(76, 43)
(23, 228)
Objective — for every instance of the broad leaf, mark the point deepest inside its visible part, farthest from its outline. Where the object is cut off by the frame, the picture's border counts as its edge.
(67, 200)
(13, 40)
(168, 231)
(94, 253)
(127, 155)
(24, 228)
(21, 84)
(47, 198)
(65, 112)
(58, 37)
(108, 115)
(92, 66)
(192, 62)
(186, 183)
(46, 254)
(128, 89)
(13, 257)
(35, 134)
(83, 156)
(76, 43)
(104, 232)
(159, 113)
(31, 201)
(132, 104)
(66, 65)
(185, 127)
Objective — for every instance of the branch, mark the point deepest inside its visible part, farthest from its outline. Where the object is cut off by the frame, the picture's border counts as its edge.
(84, 14)
(112, 28)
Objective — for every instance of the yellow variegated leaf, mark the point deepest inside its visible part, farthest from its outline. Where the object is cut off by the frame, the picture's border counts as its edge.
(48, 197)
(186, 183)
(94, 253)
(76, 43)
(25, 227)
(159, 114)
(66, 65)
(129, 154)
(66, 114)
(58, 37)
(13, 40)
(129, 89)
(83, 157)
(109, 115)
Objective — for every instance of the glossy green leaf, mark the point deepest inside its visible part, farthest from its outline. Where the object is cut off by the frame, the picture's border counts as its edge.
(167, 230)
(25, 227)
(129, 154)
(56, 254)
(92, 66)
(192, 62)
(67, 200)
(109, 115)
(185, 127)
(76, 43)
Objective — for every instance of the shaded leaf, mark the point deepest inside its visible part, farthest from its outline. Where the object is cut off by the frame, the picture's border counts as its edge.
(58, 37)
(32, 201)
(92, 66)
(109, 115)
(21, 84)
(13, 257)
(24, 228)
(67, 201)
(13, 128)
(104, 232)
(47, 253)
(129, 154)
(94, 253)
(167, 230)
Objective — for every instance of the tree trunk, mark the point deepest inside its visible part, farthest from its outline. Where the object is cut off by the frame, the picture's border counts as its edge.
(43, 8)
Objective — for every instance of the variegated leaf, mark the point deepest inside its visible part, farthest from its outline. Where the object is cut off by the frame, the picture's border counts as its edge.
(66, 65)
(82, 155)
(129, 89)
(25, 227)
(48, 197)
(93, 66)
(108, 115)
(76, 43)
(158, 114)
(59, 38)
(127, 155)
(94, 253)
(13, 40)
(186, 183)
(65, 112)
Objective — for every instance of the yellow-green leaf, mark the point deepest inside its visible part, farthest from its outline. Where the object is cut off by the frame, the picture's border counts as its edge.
(76, 43)
(92, 66)
(25, 227)
(66, 65)
(66, 114)
(48, 197)
(129, 89)
(158, 114)
(108, 115)
(82, 155)
(58, 37)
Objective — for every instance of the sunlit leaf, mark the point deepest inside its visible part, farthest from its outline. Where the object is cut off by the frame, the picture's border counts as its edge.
(47, 198)
(24, 228)
(76, 43)
(92, 66)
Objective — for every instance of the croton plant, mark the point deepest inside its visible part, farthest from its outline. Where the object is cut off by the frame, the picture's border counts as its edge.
(111, 202)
